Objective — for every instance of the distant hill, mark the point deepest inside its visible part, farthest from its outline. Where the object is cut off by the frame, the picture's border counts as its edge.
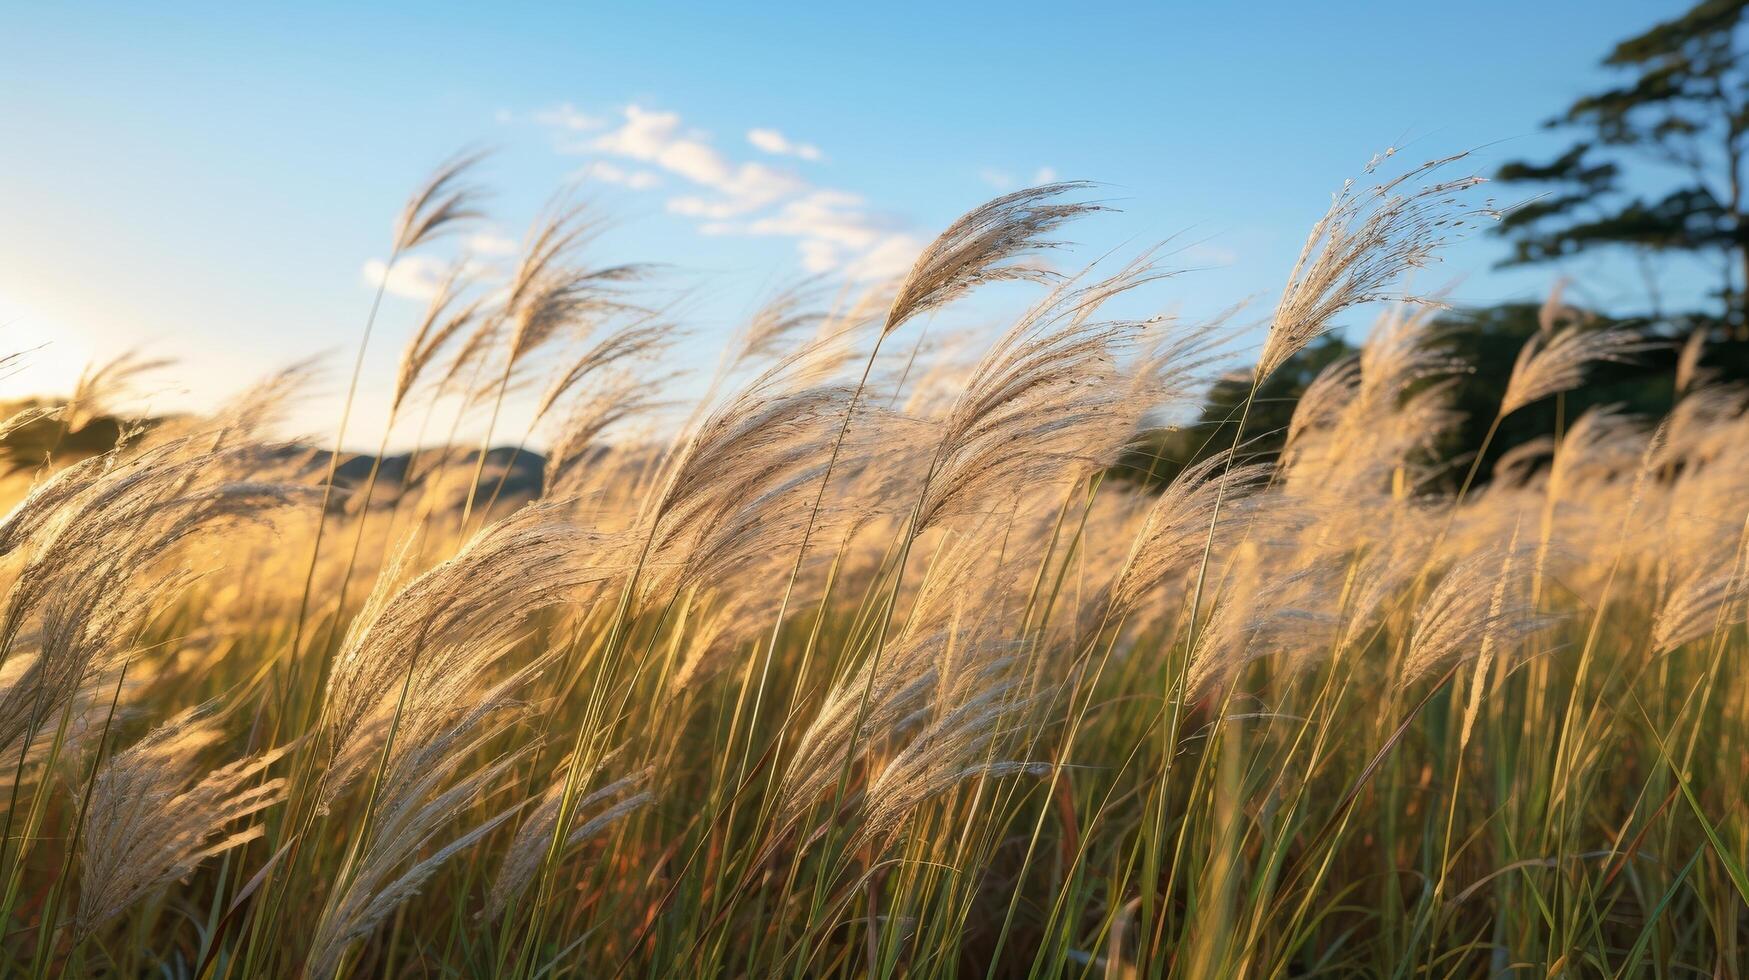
(521, 471)
(28, 446)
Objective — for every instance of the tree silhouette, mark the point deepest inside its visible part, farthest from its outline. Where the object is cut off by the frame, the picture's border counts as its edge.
(1678, 122)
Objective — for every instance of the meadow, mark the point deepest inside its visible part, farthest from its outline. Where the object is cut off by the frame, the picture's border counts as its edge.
(870, 663)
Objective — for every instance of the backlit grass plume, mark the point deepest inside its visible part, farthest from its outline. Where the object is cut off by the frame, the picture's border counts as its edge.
(764, 662)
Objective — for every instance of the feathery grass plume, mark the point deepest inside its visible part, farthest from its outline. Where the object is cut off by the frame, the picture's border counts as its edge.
(1550, 363)
(977, 248)
(257, 410)
(1555, 314)
(411, 813)
(417, 649)
(833, 350)
(890, 696)
(774, 327)
(1589, 477)
(1504, 584)
(1712, 596)
(548, 292)
(898, 690)
(740, 486)
(564, 298)
(153, 819)
(976, 719)
(1403, 350)
(1602, 445)
(1257, 615)
(1479, 607)
(30, 516)
(96, 570)
(100, 386)
(1172, 360)
(1176, 526)
(730, 616)
(1046, 401)
(1368, 425)
(1022, 632)
(1517, 466)
(442, 322)
(522, 858)
(233, 430)
(569, 457)
(440, 205)
(945, 361)
(642, 339)
(1689, 373)
(709, 537)
(470, 356)
(1363, 244)
(28, 416)
(1325, 399)
(1381, 573)
(1707, 426)
(87, 720)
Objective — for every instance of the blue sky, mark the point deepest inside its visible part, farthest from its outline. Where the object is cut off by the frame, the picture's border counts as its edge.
(210, 181)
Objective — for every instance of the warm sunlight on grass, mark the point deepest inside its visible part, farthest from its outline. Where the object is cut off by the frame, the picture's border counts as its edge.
(880, 664)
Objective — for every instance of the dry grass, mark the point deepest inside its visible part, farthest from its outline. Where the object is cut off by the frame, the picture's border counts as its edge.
(869, 668)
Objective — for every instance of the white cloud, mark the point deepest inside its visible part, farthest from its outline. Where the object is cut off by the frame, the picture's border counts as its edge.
(818, 256)
(637, 180)
(833, 216)
(889, 259)
(657, 138)
(491, 242)
(1044, 175)
(774, 142)
(833, 229)
(644, 134)
(413, 277)
(743, 190)
(567, 116)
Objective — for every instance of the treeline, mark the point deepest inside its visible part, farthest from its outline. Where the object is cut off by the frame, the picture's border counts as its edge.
(1483, 344)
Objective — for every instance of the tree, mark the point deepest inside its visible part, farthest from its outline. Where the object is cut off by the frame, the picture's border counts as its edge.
(1163, 453)
(1485, 342)
(1680, 119)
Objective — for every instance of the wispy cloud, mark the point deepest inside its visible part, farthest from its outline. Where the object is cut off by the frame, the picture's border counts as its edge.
(740, 188)
(491, 242)
(834, 230)
(483, 259)
(635, 179)
(413, 276)
(774, 142)
(567, 116)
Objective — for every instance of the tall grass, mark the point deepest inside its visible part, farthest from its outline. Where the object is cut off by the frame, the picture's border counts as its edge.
(870, 668)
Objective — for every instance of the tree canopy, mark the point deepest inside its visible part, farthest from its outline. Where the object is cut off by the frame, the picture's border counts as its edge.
(1658, 163)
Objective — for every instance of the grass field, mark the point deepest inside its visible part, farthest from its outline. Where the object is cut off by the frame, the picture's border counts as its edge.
(871, 664)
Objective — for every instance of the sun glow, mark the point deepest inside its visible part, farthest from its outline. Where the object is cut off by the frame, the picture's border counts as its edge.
(49, 353)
